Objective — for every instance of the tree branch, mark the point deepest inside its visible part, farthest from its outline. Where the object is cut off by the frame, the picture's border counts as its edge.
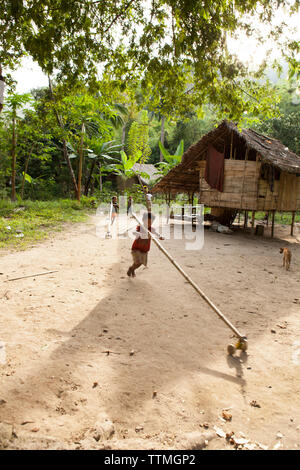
(118, 16)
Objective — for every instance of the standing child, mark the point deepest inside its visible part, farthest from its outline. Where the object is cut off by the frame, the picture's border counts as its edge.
(129, 205)
(115, 209)
(142, 243)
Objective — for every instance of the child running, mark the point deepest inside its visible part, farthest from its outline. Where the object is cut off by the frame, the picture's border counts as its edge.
(141, 244)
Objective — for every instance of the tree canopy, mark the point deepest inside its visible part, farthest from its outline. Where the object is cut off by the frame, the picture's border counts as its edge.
(177, 48)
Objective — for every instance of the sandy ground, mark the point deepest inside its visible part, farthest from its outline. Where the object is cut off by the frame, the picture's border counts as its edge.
(167, 373)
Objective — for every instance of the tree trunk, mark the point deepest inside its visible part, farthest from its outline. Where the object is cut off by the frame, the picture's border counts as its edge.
(80, 163)
(13, 160)
(2, 85)
(100, 177)
(25, 171)
(162, 136)
(87, 186)
(65, 150)
(123, 136)
(24, 176)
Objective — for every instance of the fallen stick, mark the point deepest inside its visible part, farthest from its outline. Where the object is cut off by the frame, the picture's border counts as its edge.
(108, 352)
(193, 284)
(31, 275)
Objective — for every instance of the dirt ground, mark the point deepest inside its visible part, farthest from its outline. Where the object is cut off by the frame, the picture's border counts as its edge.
(167, 373)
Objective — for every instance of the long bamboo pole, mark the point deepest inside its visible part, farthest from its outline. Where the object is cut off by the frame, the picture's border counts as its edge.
(191, 282)
(241, 337)
(30, 275)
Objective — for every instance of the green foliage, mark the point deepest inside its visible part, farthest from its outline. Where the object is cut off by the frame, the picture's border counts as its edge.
(124, 168)
(283, 218)
(105, 152)
(22, 223)
(286, 126)
(286, 129)
(192, 129)
(171, 160)
(177, 48)
(15, 102)
(138, 138)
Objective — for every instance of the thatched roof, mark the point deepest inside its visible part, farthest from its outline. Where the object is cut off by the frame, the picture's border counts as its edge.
(151, 170)
(185, 177)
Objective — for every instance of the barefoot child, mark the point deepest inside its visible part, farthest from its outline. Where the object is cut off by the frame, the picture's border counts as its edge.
(129, 205)
(141, 244)
(115, 209)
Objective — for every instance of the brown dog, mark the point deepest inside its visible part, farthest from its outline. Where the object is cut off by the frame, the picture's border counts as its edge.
(287, 256)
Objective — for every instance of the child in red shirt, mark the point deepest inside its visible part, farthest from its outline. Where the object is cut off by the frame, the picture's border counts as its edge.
(142, 243)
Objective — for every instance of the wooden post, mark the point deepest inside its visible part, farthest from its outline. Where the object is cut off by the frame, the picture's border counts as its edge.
(245, 167)
(253, 222)
(292, 224)
(193, 218)
(182, 213)
(168, 207)
(273, 223)
(245, 219)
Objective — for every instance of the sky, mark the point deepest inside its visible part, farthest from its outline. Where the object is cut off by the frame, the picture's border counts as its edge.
(29, 75)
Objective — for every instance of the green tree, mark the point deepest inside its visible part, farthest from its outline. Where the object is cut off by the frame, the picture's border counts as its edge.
(15, 103)
(104, 155)
(34, 143)
(80, 116)
(177, 47)
(286, 126)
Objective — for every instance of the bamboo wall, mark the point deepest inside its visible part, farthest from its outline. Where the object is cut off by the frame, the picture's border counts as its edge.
(244, 189)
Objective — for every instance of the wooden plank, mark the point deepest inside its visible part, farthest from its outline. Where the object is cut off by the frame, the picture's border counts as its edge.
(273, 224)
(287, 200)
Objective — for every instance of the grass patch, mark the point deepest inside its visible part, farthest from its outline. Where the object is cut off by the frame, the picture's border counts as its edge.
(22, 223)
(284, 218)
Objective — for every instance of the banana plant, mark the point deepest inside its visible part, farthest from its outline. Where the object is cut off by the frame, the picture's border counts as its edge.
(171, 160)
(125, 167)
